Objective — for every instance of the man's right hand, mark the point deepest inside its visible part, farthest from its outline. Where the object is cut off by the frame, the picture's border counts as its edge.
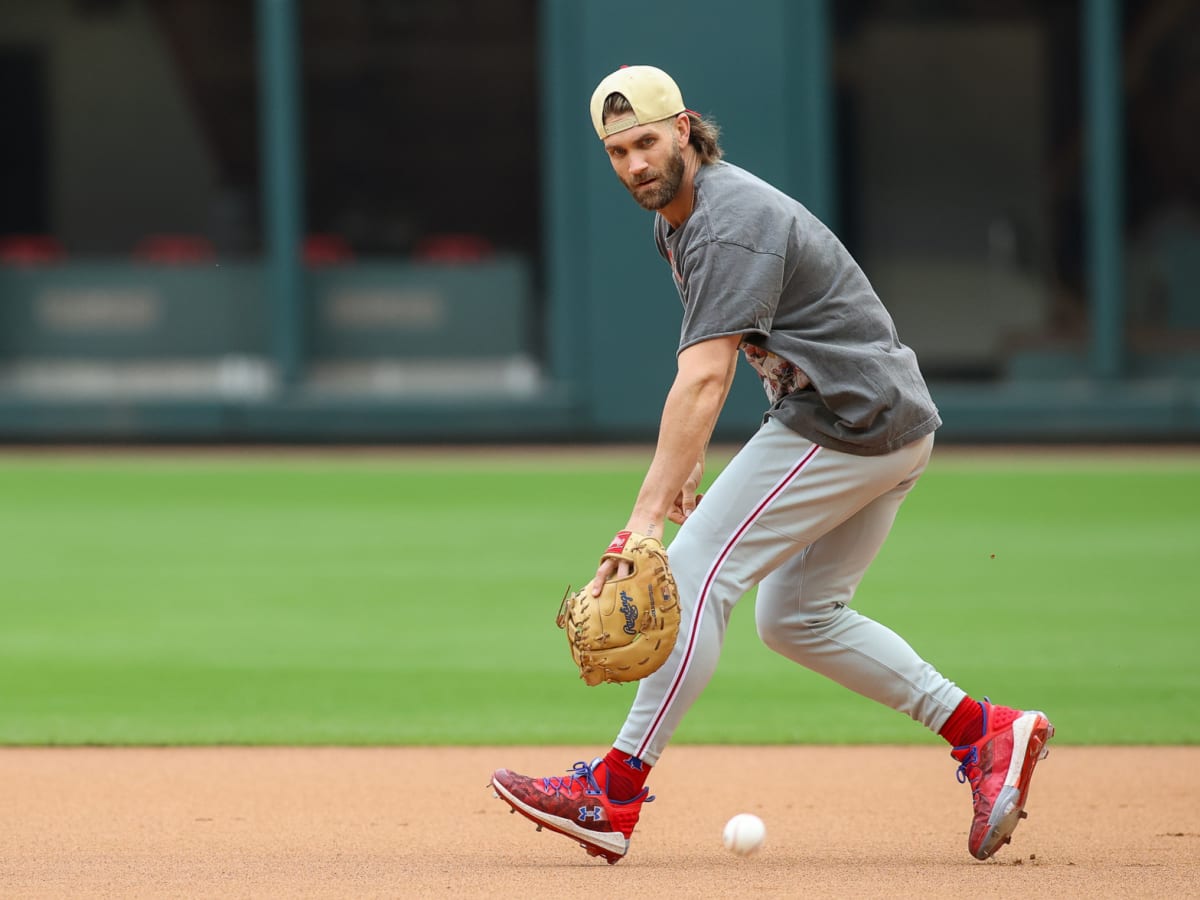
(687, 498)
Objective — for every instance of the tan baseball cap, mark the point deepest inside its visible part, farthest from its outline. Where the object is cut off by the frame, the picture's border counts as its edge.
(651, 92)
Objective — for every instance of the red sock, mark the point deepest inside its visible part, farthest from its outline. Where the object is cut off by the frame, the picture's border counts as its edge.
(965, 725)
(626, 774)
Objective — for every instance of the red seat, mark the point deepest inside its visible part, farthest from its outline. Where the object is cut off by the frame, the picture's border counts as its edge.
(454, 248)
(174, 249)
(31, 250)
(327, 250)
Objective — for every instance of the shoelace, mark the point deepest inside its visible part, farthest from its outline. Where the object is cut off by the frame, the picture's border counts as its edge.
(969, 762)
(581, 771)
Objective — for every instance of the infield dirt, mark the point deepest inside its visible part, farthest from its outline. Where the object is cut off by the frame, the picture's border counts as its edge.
(411, 822)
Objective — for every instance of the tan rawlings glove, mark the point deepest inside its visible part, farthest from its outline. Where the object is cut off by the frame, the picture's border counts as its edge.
(628, 631)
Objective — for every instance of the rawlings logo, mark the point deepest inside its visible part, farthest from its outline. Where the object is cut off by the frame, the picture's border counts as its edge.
(618, 542)
(630, 612)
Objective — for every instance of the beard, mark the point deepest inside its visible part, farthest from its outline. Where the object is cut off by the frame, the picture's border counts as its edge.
(666, 183)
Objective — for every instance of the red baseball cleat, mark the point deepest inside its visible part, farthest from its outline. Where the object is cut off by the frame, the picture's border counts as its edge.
(999, 767)
(575, 806)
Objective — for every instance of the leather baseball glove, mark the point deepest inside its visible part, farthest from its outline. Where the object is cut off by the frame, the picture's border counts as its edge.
(628, 631)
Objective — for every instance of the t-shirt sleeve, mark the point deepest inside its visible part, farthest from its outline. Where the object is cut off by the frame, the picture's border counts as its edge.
(728, 289)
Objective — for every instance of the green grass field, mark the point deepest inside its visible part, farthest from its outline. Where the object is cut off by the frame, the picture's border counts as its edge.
(360, 599)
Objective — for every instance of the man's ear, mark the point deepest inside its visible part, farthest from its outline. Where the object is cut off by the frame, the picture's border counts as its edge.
(683, 129)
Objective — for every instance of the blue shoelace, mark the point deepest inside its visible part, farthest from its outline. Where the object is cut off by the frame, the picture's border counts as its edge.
(581, 771)
(971, 759)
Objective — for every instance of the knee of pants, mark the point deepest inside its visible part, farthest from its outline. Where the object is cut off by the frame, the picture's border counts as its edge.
(786, 631)
(773, 634)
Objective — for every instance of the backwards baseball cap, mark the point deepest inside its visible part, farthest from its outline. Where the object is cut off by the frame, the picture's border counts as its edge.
(651, 92)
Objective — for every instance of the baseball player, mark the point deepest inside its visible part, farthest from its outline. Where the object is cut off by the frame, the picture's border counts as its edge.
(805, 505)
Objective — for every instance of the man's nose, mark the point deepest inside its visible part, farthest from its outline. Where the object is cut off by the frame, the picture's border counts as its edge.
(637, 164)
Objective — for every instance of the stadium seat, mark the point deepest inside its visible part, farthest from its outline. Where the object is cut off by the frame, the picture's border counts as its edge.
(30, 250)
(327, 250)
(454, 248)
(174, 249)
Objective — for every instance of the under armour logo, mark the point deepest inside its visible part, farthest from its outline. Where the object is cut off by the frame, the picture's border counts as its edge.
(593, 813)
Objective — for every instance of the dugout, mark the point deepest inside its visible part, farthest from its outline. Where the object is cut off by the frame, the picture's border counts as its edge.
(357, 220)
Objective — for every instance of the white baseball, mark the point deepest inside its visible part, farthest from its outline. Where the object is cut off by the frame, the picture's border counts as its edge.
(744, 834)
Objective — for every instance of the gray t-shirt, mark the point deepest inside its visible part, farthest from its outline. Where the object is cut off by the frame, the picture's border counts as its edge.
(751, 260)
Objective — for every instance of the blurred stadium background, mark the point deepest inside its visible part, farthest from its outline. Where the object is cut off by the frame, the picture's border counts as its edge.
(388, 220)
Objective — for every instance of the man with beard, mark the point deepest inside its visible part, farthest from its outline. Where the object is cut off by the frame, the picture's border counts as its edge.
(804, 507)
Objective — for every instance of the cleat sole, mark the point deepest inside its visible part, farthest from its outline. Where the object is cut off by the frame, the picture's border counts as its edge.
(611, 855)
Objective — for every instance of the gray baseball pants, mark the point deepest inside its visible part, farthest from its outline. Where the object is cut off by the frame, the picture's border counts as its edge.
(803, 523)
